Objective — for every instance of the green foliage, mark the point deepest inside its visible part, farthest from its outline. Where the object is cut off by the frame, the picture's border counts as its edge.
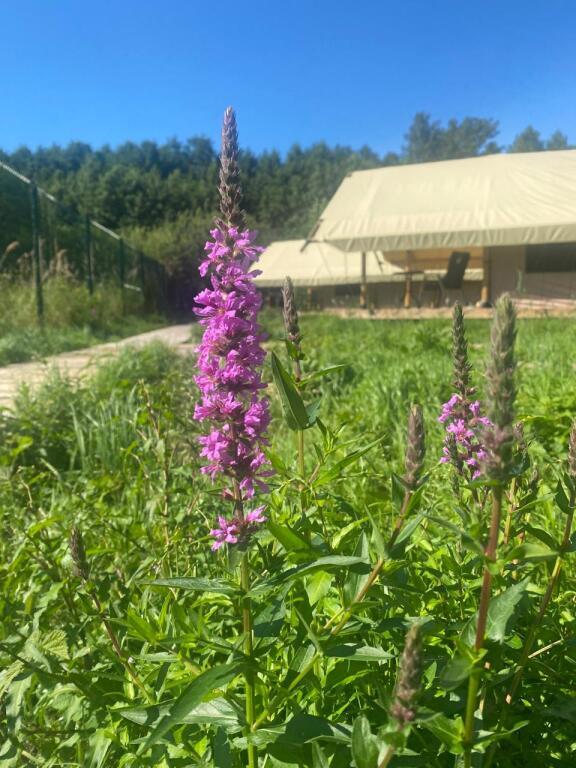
(117, 456)
(74, 318)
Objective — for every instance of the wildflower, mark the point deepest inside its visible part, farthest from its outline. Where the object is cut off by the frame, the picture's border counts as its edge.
(230, 355)
(237, 530)
(463, 444)
(465, 426)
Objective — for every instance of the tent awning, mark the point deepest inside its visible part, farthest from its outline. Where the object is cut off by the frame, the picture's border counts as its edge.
(318, 264)
(495, 200)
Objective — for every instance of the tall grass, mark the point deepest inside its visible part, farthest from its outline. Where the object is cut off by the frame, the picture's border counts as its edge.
(73, 318)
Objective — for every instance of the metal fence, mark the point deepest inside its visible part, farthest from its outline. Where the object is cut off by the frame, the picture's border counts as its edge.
(40, 238)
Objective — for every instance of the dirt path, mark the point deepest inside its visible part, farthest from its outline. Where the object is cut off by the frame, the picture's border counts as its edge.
(77, 364)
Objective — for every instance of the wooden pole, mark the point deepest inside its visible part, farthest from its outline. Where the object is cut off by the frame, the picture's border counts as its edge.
(35, 215)
(408, 284)
(363, 284)
(485, 294)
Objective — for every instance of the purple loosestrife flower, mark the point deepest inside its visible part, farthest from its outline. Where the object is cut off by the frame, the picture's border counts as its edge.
(237, 531)
(230, 355)
(464, 427)
(463, 445)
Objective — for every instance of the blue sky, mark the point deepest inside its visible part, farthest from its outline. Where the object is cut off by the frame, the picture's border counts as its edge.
(345, 71)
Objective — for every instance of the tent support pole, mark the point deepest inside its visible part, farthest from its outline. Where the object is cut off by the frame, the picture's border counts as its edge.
(485, 298)
(363, 284)
(408, 283)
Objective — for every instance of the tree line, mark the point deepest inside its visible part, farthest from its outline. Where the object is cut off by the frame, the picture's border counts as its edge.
(164, 196)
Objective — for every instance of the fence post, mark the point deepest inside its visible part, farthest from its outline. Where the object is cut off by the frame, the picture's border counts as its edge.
(88, 254)
(141, 271)
(35, 213)
(121, 263)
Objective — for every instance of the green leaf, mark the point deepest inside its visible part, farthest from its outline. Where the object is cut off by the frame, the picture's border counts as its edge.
(214, 586)
(377, 538)
(460, 666)
(319, 758)
(204, 684)
(355, 581)
(290, 539)
(54, 643)
(312, 412)
(324, 372)
(365, 748)
(335, 471)
(269, 622)
(329, 563)
(500, 611)
(449, 732)
(292, 403)
(562, 499)
(140, 627)
(532, 552)
(318, 585)
(8, 674)
(217, 711)
(357, 652)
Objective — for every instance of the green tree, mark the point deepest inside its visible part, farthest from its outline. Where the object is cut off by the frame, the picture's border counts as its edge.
(426, 139)
(527, 141)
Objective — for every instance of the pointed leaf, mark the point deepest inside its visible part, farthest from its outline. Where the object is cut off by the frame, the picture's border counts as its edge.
(364, 744)
(204, 684)
(292, 403)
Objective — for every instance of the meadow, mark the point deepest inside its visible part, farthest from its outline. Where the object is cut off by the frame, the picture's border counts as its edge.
(123, 644)
(73, 318)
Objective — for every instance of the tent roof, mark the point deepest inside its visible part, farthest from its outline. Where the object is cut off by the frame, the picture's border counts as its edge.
(318, 264)
(506, 199)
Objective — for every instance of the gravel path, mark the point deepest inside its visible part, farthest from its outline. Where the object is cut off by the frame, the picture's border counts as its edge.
(77, 364)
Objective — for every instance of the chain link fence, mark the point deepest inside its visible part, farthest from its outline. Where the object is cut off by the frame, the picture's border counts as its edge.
(40, 238)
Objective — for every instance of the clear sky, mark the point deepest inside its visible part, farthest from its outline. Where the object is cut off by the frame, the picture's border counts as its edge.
(345, 71)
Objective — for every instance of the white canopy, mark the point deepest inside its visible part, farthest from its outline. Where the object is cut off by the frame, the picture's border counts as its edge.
(319, 264)
(495, 200)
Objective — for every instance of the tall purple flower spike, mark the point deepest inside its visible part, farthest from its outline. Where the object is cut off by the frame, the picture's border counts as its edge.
(230, 355)
(464, 427)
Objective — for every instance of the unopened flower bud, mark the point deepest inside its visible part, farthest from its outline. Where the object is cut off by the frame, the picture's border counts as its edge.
(499, 438)
(408, 683)
(572, 452)
(460, 357)
(290, 312)
(230, 189)
(416, 446)
(78, 554)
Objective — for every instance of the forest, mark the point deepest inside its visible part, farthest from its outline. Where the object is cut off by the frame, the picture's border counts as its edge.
(163, 197)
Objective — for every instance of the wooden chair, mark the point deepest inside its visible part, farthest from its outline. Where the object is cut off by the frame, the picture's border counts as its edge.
(451, 280)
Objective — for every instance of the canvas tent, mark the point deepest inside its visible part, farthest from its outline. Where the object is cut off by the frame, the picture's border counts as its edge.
(332, 274)
(517, 212)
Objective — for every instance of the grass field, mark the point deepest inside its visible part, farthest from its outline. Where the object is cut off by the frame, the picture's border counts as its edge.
(118, 458)
(73, 318)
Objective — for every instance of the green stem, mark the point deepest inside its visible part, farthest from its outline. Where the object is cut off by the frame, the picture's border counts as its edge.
(474, 681)
(388, 755)
(301, 466)
(248, 632)
(249, 652)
